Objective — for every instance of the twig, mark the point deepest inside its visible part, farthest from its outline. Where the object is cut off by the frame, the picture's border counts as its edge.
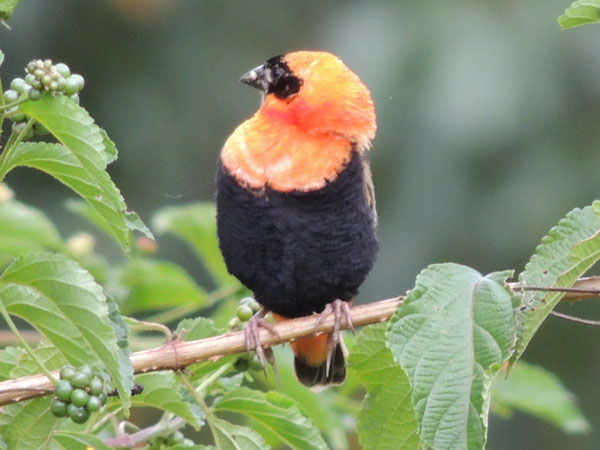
(178, 354)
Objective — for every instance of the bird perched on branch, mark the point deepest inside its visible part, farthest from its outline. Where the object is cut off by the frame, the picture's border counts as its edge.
(295, 204)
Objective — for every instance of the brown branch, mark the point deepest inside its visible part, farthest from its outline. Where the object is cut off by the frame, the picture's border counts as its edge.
(178, 354)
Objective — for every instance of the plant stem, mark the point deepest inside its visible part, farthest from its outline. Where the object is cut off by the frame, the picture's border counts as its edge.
(25, 345)
(214, 376)
(12, 143)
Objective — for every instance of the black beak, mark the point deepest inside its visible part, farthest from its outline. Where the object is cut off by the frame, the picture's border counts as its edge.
(258, 78)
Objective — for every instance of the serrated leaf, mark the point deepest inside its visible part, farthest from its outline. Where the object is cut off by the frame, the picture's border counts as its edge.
(536, 391)
(8, 360)
(28, 425)
(196, 225)
(121, 329)
(387, 418)
(451, 335)
(24, 229)
(76, 130)
(581, 12)
(62, 301)
(277, 413)
(110, 149)
(558, 261)
(234, 437)
(6, 10)
(157, 285)
(70, 440)
(161, 390)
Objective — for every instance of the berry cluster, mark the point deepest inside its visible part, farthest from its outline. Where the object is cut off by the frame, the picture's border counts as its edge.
(247, 308)
(41, 76)
(78, 393)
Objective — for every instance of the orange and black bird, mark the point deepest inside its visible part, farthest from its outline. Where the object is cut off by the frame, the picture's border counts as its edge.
(295, 203)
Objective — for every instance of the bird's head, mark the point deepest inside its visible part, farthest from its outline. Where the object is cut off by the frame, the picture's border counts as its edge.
(316, 92)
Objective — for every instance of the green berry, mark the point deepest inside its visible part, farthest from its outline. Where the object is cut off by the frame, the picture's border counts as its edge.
(19, 85)
(96, 385)
(46, 80)
(78, 414)
(29, 79)
(34, 94)
(254, 305)
(18, 128)
(63, 69)
(80, 379)
(15, 115)
(58, 408)
(10, 96)
(94, 403)
(103, 398)
(30, 67)
(75, 98)
(67, 372)
(79, 79)
(47, 63)
(87, 370)
(61, 83)
(37, 84)
(53, 86)
(64, 390)
(244, 312)
(71, 85)
(79, 397)
(39, 64)
(38, 73)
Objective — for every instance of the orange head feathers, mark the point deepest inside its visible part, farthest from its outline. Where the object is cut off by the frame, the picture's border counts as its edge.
(315, 114)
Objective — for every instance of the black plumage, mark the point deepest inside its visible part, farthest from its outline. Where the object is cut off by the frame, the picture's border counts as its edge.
(298, 251)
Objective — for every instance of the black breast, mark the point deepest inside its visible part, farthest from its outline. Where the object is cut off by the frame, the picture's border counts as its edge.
(298, 251)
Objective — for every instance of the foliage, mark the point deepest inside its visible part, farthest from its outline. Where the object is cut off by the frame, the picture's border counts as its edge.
(429, 374)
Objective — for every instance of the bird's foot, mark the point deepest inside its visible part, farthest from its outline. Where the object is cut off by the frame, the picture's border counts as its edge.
(252, 334)
(339, 309)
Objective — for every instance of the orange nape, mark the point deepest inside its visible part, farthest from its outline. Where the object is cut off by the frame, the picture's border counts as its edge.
(311, 349)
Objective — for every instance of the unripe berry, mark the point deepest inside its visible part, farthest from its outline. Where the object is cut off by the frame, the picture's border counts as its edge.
(79, 397)
(94, 403)
(64, 390)
(244, 312)
(78, 414)
(75, 98)
(19, 85)
(34, 94)
(58, 408)
(11, 96)
(63, 69)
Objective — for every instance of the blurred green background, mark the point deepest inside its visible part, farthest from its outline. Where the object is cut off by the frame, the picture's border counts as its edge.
(488, 130)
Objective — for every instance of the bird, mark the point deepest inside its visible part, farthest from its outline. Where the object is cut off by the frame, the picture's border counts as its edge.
(296, 217)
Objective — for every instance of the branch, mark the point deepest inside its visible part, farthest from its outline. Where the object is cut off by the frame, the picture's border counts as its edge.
(177, 354)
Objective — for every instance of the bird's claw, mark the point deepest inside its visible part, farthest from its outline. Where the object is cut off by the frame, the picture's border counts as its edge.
(338, 308)
(252, 335)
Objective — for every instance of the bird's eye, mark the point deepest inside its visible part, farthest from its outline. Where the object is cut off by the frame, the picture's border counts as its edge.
(283, 84)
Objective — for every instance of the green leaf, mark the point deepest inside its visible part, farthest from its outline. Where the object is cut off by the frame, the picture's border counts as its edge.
(198, 328)
(536, 391)
(70, 440)
(581, 12)
(234, 437)
(24, 229)
(8, 360)
(161, 390)
(451, 336)
(82, 168)
(28, 425)
(387, 418)
(6, 10)
(276, 413)
(110, 149)
(196, 225)
(156, 285)
(49, 355)
(564, 255)
(63, 302)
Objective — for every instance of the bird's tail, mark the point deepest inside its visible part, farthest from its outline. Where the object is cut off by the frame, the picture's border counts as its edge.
(310, 362)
